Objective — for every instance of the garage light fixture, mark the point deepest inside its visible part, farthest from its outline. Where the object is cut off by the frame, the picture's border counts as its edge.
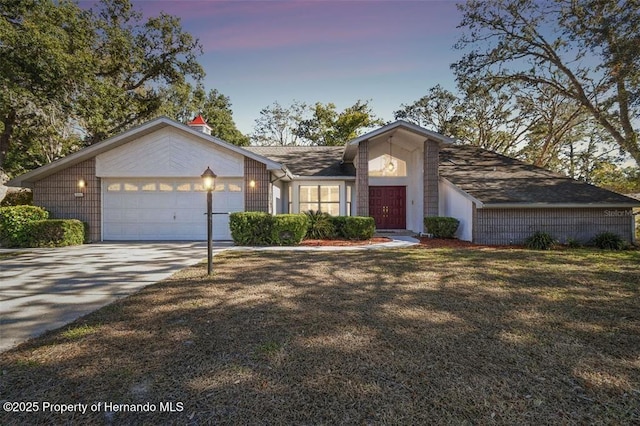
(81, 185)
(252, 183)
(209, 181)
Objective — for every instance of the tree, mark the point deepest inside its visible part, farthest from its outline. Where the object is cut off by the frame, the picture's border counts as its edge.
(321, 124)
(477, 115)
(328, 127)
(625, 180)
(217, 111)
(134, 59)
(183, 102)
(277, 125)
(46, 59)
(100, 71)
(587, 52)
(440, 110)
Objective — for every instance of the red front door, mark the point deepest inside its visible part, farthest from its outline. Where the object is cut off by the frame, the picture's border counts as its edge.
(388, 206)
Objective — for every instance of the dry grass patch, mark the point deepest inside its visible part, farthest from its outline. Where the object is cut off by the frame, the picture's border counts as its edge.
(409, 336)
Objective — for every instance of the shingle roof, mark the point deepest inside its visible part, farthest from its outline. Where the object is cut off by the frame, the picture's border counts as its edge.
(495, 179)
(486, 176)
(308, 161)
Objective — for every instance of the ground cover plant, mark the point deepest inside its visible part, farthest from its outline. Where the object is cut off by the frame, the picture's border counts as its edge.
(413, 336)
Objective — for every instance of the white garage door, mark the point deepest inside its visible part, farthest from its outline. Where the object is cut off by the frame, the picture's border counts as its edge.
(167, 209)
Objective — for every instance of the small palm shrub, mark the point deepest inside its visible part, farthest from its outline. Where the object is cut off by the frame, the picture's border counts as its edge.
(320, 225)
(573, 243)
(539, 241)
(609, 241)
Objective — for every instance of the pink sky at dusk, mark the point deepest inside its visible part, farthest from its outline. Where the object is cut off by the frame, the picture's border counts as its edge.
(259, 52)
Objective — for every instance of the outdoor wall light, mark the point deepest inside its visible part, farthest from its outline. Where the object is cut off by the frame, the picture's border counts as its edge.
(208, 180)
(81, 183)
(252, 183)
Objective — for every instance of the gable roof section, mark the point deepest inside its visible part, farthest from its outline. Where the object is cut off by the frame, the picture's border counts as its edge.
(498, 181)
(351, 148)
(309, 161)
(130, 135)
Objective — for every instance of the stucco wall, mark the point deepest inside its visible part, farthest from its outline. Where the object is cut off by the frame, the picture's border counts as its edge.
(453, 203)
(513, 226)
(55, 193)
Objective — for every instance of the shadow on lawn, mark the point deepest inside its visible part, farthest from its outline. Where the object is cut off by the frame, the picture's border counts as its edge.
(412, 336)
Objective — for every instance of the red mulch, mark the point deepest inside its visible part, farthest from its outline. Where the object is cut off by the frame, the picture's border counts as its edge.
(342, 243)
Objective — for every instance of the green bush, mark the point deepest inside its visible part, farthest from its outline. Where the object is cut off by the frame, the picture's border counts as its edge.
(609, 241)
(250, 228)
(320, 225)
(441, 226)
(22, 197)
(358, 228)
(14, 221)
(338, 223)
(353, 227)
(288, 229)
(55, 233)
(540, 241)
(573, 243)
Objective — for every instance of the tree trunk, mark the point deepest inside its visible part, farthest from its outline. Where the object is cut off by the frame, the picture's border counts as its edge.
(9, 121)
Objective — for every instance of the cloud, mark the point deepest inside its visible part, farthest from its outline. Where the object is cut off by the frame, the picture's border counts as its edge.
(252, 25)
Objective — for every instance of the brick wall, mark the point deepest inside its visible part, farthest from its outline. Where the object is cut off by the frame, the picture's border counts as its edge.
(256, 199)
(431, 176)
(513, 226)
(362, 179)
(55, 193)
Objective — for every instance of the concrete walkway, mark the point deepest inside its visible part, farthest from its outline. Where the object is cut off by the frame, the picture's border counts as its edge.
(44, 289)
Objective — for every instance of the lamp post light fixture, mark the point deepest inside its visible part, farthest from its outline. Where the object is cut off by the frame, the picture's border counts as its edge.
(209, 179)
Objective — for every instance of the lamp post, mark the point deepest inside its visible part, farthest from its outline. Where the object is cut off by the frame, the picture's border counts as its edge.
(209, 178)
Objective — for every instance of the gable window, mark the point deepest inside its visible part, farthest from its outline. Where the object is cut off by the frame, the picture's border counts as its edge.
(387, 166)
(325, 198)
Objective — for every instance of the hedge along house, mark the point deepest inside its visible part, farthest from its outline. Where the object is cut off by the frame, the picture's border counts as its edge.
(144, 184)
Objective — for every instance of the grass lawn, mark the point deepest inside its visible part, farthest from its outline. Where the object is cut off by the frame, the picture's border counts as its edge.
(412, 336)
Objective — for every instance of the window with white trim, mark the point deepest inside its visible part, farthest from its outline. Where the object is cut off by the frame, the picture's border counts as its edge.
(324, 198)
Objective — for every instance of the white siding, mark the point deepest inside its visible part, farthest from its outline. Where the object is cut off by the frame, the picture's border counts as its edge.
(454, 203)
(169, 153)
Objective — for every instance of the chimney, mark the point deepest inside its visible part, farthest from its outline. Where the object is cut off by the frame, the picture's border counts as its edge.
(199, 124)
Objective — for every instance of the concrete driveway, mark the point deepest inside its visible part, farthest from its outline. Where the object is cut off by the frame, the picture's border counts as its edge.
(43, 289)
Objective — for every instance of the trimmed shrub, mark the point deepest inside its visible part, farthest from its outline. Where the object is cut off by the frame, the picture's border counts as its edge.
(288, 229)
(358, 228)
(338, 223)
(55, 233)
(320, 225)
(22, 197)
(441, 226)
(609, 241)
(540, 241)
(250, 228)
(14, 224)
(353, 227)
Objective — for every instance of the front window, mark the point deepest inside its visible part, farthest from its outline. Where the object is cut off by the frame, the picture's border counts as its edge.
(324, 198)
